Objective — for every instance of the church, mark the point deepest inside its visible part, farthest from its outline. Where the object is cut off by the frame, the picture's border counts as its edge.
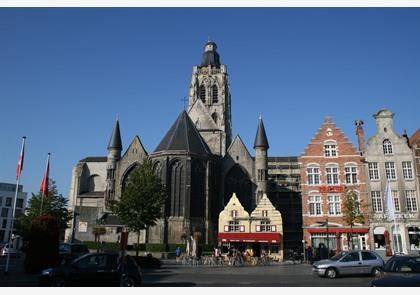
(201, 165)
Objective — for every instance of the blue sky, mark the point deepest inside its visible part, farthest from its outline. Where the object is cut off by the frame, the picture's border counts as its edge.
(65, 74)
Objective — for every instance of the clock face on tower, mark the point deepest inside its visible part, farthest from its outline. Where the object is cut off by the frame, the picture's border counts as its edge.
(329, 132)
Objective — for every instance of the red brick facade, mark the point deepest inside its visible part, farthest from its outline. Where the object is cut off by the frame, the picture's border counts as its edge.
(330, 152)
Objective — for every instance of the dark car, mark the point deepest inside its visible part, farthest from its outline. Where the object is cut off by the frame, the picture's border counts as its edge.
(148, 261)
(95, 269)
(400, 271)
(71, 251)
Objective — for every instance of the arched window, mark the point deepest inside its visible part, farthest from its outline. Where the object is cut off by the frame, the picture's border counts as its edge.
(214, 116)
(203, 93)
(215, 94)
(387, 147)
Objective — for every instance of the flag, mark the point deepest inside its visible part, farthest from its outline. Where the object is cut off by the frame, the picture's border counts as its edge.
(20, 162)
(44, 183)
(390, 214)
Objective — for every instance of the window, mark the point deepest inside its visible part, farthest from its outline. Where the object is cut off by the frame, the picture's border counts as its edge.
(19, 203)
(265, 226)
(351, 175)
(234, 226)
(234, 213)
(315, 205)
(390, 171)
(332, 175)
(1, 201)
(92, 262)
(264, 213)
(313, 175)
(368, 256)
(203, 93)
(334, 205)
(351, 257)
(330, 150)
(396, 199)
(4, 223)
(376, 201)
(214, 116)
(373, 171)
(407, 170)
(8, 202)
(411, 201)
(261, 175)
(215, 94)
(4, 212)
(387, 147)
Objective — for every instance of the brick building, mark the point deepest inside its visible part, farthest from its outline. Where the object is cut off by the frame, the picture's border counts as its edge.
(330, 166)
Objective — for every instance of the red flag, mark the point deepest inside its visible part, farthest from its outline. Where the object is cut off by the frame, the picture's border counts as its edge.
(44, 183)
(21, 157)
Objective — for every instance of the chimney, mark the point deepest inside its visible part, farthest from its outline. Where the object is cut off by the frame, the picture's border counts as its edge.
(360, 135)
(407, 138)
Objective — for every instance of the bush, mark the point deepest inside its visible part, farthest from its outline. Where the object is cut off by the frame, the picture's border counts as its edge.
(105, 246)
(42, 248)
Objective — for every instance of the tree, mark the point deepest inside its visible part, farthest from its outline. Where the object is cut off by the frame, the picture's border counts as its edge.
(352, 211)
(141, 202)
(55, 205)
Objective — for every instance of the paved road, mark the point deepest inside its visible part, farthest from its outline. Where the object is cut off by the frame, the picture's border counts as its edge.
(285, 275)
(175, 275)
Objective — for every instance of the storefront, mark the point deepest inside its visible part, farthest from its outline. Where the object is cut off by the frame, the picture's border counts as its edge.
(260, 243)
(338, 239)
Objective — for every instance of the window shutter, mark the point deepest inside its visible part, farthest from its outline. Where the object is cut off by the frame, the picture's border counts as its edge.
(258, 228)
(226, 228)
(242, 228)
(273, 228)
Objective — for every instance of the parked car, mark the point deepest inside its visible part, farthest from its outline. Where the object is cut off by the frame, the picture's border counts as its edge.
(349, 262)
(148, 261)
(95, 269)
(13, 251)
(400, 271)
(71, 251)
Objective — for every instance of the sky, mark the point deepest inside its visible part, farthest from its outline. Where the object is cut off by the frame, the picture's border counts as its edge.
(67, 73)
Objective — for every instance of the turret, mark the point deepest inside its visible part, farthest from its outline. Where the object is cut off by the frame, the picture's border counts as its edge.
(261, 167)
(114, 155)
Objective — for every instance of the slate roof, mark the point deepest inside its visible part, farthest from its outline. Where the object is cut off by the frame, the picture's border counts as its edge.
(115, 141)
(210, 57)
(183, 136)
(94, 159)
(261, 137)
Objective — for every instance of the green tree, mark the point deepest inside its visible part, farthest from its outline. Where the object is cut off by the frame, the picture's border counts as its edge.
(141, 202)
(352, 211)
(55, 205)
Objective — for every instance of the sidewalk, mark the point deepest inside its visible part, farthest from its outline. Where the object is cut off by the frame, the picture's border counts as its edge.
(16, 276)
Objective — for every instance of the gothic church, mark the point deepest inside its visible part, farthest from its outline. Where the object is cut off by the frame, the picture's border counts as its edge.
(199, 162)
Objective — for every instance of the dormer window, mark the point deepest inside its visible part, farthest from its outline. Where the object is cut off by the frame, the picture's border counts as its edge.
(215, 94)
(264, 213)
(203, 93)
(387, 147)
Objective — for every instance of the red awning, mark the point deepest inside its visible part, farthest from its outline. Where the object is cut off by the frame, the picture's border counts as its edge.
(250, 237)
(335, 230)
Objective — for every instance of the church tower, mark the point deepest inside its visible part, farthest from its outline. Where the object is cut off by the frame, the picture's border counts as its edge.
(209, 101)
(114, 155)
(261, 167)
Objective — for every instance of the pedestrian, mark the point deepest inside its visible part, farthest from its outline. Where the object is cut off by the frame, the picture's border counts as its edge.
(310, 254)
(178, 253)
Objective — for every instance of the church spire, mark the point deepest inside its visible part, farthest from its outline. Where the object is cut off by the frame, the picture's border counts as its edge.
(261, 137)
(210, 55)
(115, 141)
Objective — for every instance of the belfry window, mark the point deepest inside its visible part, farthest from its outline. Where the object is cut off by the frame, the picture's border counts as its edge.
(203, 93)
(215, 94)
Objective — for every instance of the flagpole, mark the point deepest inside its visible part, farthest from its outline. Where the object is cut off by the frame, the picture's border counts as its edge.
(6, 271)
(46, 175)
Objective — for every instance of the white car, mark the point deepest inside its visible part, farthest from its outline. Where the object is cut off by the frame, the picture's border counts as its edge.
(5, 250)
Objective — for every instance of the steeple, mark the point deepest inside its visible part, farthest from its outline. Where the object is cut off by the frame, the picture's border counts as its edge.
(261, 137)
(210, 55)
(115, 141)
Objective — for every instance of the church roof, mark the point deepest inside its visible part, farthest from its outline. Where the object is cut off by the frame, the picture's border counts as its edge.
(115, 141)
(94, 159)
(183, 136)
(210, 56)
(261, 137)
